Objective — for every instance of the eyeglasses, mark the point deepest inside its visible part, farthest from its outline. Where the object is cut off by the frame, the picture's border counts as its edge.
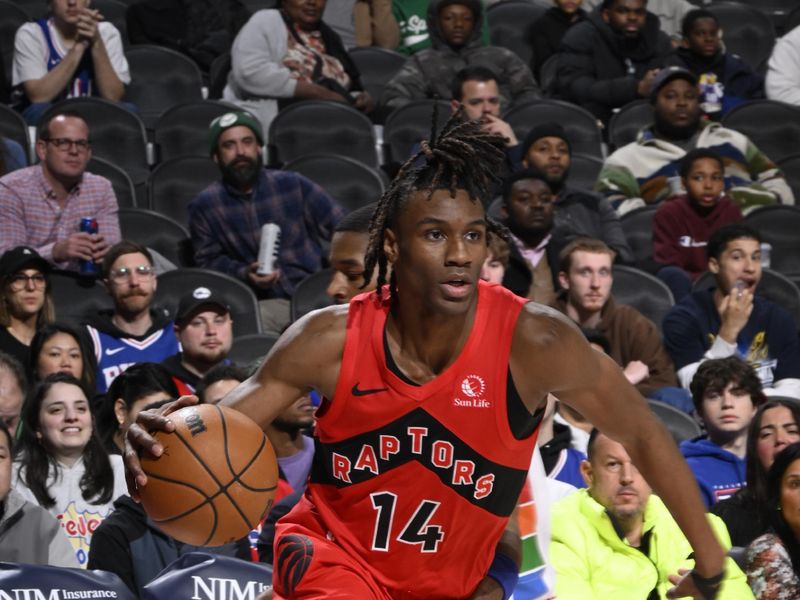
(66, 144)
(19, 282)
(118, 275)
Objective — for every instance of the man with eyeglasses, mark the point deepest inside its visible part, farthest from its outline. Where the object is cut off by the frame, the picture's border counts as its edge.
(133, 331)
(42, 205)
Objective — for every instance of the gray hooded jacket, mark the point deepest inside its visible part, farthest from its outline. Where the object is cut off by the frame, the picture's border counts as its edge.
(429, 73)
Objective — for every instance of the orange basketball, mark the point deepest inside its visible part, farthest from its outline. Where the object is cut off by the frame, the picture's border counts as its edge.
(215, 480)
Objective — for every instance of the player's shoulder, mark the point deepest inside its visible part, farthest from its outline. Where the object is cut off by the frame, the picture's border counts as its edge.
(321, 330)
(543, 328)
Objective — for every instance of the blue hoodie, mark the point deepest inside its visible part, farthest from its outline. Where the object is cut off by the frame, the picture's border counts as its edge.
(719, 473)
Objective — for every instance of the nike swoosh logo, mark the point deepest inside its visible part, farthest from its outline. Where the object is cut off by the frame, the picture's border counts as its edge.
(113, 351)
(358, 392)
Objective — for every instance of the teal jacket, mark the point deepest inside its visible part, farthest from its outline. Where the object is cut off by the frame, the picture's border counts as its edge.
(592, 562)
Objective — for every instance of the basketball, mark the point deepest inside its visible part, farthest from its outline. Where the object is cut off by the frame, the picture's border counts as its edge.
(215, 479)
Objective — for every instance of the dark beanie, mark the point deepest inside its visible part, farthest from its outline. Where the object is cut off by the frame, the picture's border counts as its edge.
(550, 129)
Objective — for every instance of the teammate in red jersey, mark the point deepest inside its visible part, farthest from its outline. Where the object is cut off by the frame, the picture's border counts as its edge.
(435, 388)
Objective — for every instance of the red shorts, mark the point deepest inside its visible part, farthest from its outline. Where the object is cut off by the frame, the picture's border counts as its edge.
(309, 565)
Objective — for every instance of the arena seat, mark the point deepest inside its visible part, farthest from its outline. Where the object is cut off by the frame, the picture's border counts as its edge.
(410, 124)
(771, 125)
(627, 121)
(117, 134)
(790, 167)
(160, 79)
(113, 12)
(75, 296)
(124, 189)
(638, 228)
(678, 423)
(351, 183)
(11, 17)
(241, 299)
(183, 129)
(644, 292)
(580, 125)
(310, 294)
(250, 348)
(218, 75)
(377, 67)
(792, 20)
(779, 226)
(746, 31)
(174, 183)
(547, 76)
(773, 286)
(154, 230)
(13, 126)
(314, 126)
(583, 170)
(32, 8)
(510, 23)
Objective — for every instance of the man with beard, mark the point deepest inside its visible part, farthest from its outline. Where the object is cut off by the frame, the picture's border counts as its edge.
(612, 57)
(226, 218)
(204, 328)
(133, 331)
(578, 212)
(647, 171)
(616, 539)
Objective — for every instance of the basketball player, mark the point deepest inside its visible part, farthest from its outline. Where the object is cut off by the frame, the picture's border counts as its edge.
(436, 386)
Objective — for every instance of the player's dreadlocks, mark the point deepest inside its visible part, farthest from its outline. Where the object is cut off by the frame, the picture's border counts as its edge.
(463, 156)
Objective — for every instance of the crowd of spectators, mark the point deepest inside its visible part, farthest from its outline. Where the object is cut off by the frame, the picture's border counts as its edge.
(725, 353)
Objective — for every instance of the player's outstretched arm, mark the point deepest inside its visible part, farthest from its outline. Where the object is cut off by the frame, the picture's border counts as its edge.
(550, 355)
(307, 355)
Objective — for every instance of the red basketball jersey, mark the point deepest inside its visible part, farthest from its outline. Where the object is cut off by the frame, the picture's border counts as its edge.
(417, 482)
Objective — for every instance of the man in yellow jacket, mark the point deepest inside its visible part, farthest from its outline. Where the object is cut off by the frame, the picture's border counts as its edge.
(617, 540)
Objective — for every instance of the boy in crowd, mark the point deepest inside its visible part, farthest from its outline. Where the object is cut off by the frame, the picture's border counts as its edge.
(682, 225)
(725, 79)
(726, 393)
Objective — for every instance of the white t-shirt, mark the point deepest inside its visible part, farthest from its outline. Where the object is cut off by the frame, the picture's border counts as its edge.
(78, 517)
(31, 51)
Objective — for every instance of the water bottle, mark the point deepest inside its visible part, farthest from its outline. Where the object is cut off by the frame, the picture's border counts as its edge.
(88, 225)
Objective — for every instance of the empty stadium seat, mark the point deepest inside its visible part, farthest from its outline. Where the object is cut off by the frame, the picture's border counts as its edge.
(33, 8)
(644, 292)
(113, 12)
(314, 126)
(160, 79)
(678, 423)
(351, 183)
(547, 76)
(124, 189)
(510, 23)
(13, 126)
(627, 121)
(779, 226)
(117, 134)
(583, 170)
(746, 31)
(410, 124)
(218, 75)
(183, 129)
(240, 298)
(580, 125)
(174, 183)
(790, 167)
(76, 297)
(377, 67)
(771, 125)
(250, 348)
(164, 235)
(638, 228)
(310, 294)
(11, 17)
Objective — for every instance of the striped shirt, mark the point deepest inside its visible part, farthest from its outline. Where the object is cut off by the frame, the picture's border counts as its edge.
(226, 227)
(31, 214)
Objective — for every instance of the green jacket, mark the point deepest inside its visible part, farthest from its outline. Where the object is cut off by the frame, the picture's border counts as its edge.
(592, 562)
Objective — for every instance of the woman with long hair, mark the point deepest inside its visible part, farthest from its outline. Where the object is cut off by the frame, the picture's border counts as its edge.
(59, 348)
(775, 425)
(61, 463)
(25, 301)
(773, 560)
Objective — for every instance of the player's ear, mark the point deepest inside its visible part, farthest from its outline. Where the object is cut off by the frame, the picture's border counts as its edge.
(390, 245)
(586, 472)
